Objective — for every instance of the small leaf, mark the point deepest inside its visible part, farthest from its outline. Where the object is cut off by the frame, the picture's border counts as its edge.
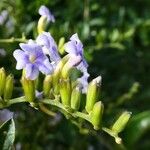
(7, 135)
(136, 128)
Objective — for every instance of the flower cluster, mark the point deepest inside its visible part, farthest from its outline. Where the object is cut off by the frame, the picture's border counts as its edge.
(42, 55)
(62, 87)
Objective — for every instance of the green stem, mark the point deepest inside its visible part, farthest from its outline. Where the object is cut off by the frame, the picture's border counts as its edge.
(66, 109)
(16, 100)
(46, 110)
(12, 40)
(113, 134)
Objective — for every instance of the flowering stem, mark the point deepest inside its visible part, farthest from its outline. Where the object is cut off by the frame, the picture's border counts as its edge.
(46, 110)
(12, 40)
(113, 134)
(5, 103)
(69, 111)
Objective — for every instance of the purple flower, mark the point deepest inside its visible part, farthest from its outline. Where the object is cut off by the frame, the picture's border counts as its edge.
(49, 46)
(5, 115)
(44, 11)
(75, 49)
(3, 16)
(32, 59)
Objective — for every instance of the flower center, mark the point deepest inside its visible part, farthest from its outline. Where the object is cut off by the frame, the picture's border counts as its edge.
(32, 58)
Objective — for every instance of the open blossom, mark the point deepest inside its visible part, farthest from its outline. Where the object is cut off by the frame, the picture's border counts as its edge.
(75, 49)
(32, 59)
(49, 46)
(44, 11)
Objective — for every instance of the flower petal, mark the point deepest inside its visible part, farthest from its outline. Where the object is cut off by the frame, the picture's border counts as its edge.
(83, 81)
(49, 46)
(44, 11)
(22, 59)
(70, 47)
(45, 67)
(32, 71)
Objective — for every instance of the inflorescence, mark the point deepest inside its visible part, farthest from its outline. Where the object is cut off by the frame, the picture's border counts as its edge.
(65, 84)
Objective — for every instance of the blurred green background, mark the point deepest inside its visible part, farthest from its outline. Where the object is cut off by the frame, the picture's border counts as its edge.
(116, 38)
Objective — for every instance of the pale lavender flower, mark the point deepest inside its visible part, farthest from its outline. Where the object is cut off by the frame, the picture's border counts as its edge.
(75, 49)
(3, 16)
(49, 46)
(32, 59)
(5, 115)
(44, 11)
(2, 52)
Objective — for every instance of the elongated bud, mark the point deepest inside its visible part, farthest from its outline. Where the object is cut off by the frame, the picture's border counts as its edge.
(65, 91)
(73, 61)
(92, 93)
(9, 87)
(2, 80)
(76, 98)
(29, 89)
(47, 84)
(96, 115)
(121, 122)
(61, 45)
(57, 72)
(41, 24)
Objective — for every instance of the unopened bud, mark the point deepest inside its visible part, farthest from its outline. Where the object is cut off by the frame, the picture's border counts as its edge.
(29, 89)
(57, 72)
(96, 115)
(121, 122)
(61, 45)
(65, 91)
(76, 98)
(92, 93)
(41, 24)
(8, 87)
(73, 61)
(47, 84)
(2, 80)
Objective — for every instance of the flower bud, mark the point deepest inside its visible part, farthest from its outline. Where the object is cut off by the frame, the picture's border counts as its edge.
(92, 93)
(8, 87)
(29, 89)
(121, 122)
(57, 72)
(65, 91)
(47, 84)
(61, 45)
(73, 61)
(41, 24)
(2, 80)
(76, 98)
(96, 115)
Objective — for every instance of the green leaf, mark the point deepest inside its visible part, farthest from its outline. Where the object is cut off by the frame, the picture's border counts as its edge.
(136, 128)
(7, 135)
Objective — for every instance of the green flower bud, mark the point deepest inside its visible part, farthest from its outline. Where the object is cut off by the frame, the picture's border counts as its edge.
(41, 24)
(2, 80)
(65, 91)
(61, 45)
(57, 73)
(8, 87)
(47, 84)
(29, 89)
(96, 115)
(121, 122)
(92, 93)
(76, 98)
(73, 61)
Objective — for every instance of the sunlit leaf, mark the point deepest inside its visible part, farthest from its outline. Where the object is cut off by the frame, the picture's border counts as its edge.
(7, 135)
